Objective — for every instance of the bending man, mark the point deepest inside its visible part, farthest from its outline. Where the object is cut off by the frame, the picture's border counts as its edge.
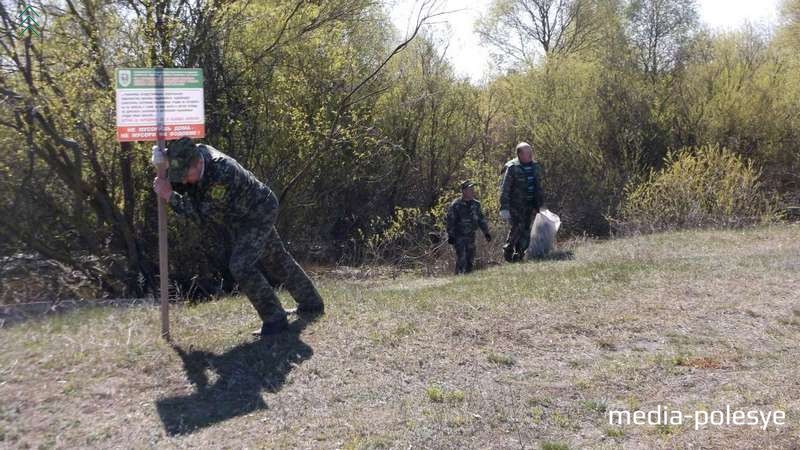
(218, 190)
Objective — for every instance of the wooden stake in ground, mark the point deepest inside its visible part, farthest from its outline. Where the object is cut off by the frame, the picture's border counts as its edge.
(163, 261)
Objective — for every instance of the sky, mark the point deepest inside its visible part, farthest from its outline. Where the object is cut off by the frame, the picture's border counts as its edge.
(472, 60)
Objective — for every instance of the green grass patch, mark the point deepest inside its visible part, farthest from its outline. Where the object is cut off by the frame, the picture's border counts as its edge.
(437, 394)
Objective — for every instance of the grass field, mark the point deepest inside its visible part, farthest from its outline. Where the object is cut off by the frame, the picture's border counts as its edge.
(529, 355)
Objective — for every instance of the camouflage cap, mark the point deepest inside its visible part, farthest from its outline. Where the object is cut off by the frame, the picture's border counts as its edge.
(180, 153)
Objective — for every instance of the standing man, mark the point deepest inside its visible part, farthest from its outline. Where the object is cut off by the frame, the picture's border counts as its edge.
(217, 190)
(520, 200)
(463, 217)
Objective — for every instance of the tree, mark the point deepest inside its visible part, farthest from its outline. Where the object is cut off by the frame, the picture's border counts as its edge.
(520, 29)
(791, 16)
(288, 84)
(659, 30)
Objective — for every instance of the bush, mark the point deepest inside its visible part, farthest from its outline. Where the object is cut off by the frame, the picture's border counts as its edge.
(400, 235)
(707, 186)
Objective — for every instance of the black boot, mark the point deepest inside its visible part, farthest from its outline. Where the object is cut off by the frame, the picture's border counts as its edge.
(273, 327)
(508, 252)
(309, 312)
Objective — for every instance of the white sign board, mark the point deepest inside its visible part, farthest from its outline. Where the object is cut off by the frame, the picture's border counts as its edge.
(156, 103)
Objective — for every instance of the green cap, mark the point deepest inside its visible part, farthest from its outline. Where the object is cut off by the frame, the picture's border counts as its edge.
(180, 154)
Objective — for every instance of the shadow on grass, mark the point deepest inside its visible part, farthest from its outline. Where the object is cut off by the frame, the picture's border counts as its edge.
(242, 374)
(558, 255)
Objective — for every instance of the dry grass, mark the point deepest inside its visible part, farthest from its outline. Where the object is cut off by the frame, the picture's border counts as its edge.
(524, 356)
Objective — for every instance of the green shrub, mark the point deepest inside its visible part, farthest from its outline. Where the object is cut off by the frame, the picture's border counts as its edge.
(698, 187)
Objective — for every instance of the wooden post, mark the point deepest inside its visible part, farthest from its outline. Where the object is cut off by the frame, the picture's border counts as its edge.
(163, 261)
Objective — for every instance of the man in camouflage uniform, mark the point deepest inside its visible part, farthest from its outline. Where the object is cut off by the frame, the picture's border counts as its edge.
(216, 189)
(520, 200)
(463, 217)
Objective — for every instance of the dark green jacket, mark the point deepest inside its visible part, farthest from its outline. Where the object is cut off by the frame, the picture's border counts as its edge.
(227, 193)
(514, 188)
(464, 217)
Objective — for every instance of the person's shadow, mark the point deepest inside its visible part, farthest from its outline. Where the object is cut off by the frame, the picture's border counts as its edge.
(555, 255)
(242, 373)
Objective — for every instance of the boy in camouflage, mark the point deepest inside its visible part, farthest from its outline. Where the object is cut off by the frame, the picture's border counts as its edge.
(219, 190)
(464, 216)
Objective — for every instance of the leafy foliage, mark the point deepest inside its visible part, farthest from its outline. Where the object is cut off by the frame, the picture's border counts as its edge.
(365, 135)
(703, 187)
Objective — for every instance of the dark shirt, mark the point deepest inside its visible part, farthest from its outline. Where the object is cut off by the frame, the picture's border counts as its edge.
(521, 189)
(227, 193)
(464, 217)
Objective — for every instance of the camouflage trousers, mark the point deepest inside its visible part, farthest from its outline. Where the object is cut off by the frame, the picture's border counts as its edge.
(257, 246)
(465, 253)
(519, 235)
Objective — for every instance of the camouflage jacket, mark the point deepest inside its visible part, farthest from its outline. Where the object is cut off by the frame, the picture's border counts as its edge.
(227, 193)
(464, 217)
(514, 195)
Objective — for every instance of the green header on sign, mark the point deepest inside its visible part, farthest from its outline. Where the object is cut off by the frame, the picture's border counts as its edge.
(149, 78)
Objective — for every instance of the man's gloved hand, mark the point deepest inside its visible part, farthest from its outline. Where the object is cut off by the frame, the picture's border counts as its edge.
(158, 157)
(162, 188)
(505, 215)
(451, 240)
(488, 237)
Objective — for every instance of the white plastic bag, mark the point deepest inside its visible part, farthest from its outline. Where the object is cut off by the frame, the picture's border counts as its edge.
(543, 233)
